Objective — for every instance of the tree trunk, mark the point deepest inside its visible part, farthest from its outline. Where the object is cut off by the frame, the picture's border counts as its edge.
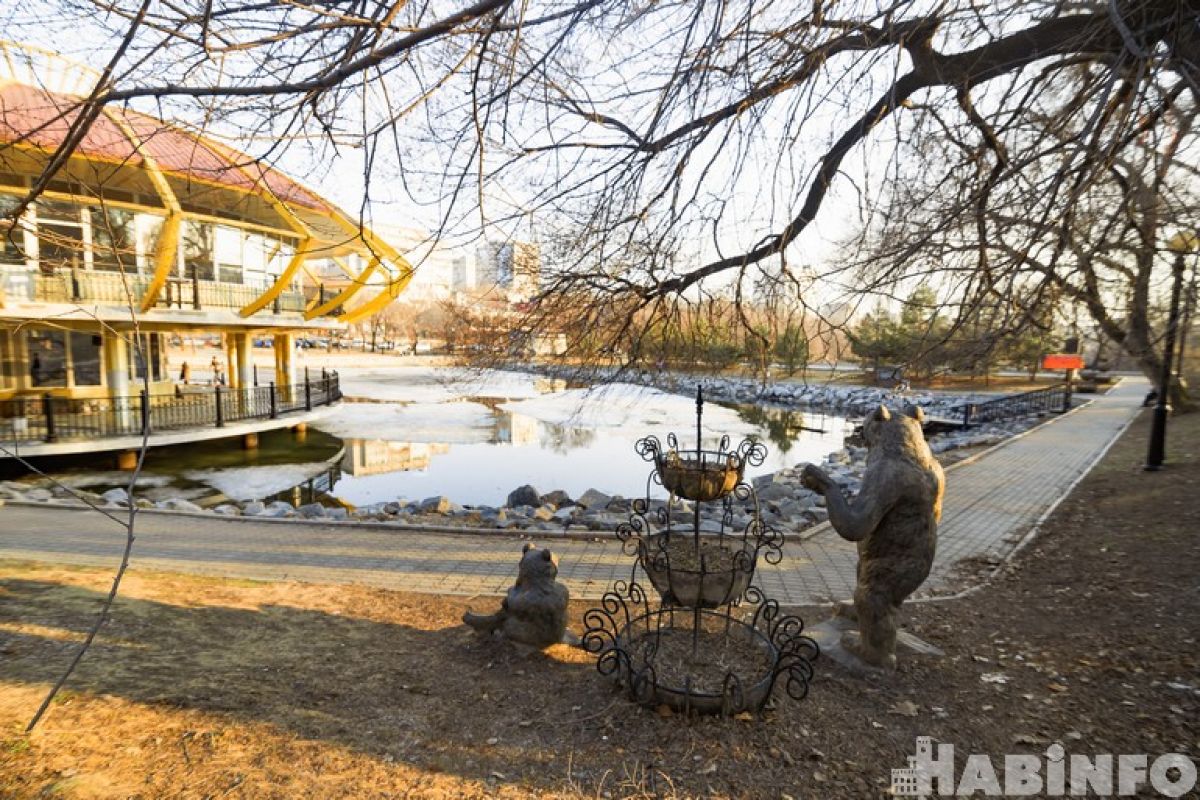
(1151, 366)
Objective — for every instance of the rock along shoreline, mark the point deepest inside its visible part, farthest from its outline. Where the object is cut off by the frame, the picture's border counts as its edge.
(783, 502)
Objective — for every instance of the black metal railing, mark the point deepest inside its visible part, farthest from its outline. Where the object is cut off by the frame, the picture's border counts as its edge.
(53, 419)
(1038, 401)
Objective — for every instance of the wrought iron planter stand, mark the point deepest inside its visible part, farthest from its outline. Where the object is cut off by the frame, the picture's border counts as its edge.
(714, 644)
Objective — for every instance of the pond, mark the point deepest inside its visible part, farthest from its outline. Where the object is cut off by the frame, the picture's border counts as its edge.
(412, 433)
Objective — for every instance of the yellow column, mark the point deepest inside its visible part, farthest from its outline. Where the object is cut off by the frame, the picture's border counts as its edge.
(232, 368)
(245, 359)
(114, 352)
(285, 363)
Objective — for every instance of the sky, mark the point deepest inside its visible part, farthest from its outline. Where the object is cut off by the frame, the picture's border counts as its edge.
(337, 173)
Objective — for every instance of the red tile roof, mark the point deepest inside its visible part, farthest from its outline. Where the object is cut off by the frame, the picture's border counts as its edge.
(29, 115)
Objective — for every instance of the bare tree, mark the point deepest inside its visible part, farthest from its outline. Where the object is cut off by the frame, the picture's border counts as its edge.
(681, 151)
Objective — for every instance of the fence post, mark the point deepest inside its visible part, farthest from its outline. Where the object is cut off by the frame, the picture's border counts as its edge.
(48, 412)
(220, 413)
(271, 396)
(307, 391)
(256, 374)
(145, 412)
(966, 414)
(195, 288)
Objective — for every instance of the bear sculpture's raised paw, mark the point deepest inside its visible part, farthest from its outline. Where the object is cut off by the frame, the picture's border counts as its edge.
(893, 520)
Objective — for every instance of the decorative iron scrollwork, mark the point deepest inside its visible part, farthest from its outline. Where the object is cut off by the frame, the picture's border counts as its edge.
(704, 580)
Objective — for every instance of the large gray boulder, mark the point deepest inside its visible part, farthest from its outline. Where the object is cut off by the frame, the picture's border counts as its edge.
(524, 496)
(278, 510)
(436, 505)
(311, 511)
(179, 504)
(558, 498)
(593, 498)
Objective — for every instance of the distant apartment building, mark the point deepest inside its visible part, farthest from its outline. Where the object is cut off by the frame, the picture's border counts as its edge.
(512, 267)
(442, 272)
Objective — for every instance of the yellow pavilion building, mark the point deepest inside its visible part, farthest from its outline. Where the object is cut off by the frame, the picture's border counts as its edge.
(151, 230)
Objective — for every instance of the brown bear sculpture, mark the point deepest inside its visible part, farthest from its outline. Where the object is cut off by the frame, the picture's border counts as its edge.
(893, 520)
(534, 611)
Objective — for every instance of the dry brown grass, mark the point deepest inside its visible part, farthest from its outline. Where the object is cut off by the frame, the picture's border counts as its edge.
(204, 688)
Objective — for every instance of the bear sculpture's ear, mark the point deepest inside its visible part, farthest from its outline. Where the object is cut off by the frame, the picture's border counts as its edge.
(916, 412)
(882, 414)
(528, 546)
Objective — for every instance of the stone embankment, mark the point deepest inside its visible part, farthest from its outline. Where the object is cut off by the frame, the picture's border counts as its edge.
(783, 501)
(841, 400)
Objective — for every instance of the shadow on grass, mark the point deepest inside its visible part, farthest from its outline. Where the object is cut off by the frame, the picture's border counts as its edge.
(442, 699)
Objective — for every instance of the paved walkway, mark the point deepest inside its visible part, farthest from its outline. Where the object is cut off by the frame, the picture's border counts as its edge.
(991, 503)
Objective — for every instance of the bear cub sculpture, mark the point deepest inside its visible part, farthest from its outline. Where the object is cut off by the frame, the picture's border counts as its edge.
(534, 612)
(893, 520)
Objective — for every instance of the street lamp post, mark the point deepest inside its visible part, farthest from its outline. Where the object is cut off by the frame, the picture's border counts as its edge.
(1182, 243)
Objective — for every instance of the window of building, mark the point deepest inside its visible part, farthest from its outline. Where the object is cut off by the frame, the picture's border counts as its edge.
(60, 236)
(8, 371)
(58, 211)
(151, 351)
(114, 245)
(60, 246)
(85, 358)
(12, 238)
(279, 255)
(230, 250)
(148, 228)
(198, 250)
(46, 352)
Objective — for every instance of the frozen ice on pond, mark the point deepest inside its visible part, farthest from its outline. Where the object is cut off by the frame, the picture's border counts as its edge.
(451, 422)
(255, 483)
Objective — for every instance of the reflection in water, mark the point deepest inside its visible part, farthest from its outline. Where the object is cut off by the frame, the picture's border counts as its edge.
(783, 425)
(475, 452)
(317, 489)
(563, 439)
(523, 449)
(372, 457)
(514, 429)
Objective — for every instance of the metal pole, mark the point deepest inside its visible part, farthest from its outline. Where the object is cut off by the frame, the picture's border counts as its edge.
(1067, 392)
(256, 374)
(220, 413)
(48, 412)
(1158, 432)
(271, 395)
(307, 392)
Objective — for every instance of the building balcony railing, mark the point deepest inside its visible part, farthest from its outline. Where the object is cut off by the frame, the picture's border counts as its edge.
(113, 288)
(56, 419)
